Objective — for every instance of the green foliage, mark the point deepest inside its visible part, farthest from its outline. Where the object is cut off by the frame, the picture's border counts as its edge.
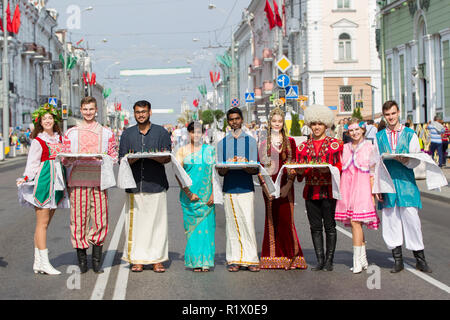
(225, 124)
(357, 113)
(207, 117)
(218, 114)
(295, 128)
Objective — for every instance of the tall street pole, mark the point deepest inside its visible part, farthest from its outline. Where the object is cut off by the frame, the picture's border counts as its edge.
(64, 79)
(5, 74)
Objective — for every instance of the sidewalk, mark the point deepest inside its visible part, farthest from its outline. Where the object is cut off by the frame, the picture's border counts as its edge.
(10, 161)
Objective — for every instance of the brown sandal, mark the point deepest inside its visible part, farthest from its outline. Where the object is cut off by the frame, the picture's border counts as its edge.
(159, 268)
(233, 268)
(253, 268)
(137, 268)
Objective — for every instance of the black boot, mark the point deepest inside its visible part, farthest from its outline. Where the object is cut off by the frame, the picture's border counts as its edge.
(421, 263)
(82, 260)
(97, 258)
(317, 238)
(398, 260)
(331, 247)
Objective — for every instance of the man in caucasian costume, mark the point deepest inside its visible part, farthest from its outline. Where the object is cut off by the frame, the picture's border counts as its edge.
(400, 210)
(318, 194)
(88, 203)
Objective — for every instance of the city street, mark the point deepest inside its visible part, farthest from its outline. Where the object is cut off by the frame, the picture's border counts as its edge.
(19, 282)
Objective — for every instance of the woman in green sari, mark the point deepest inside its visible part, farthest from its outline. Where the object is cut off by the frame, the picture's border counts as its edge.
(197, 201)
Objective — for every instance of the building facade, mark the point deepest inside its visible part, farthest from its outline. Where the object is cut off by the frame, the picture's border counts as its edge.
(415, 50)
(35, 68)
(332, 44)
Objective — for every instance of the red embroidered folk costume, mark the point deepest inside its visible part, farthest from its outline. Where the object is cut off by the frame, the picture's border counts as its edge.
(88, 203)
(318, 195)
(328, 150)
(281, 247)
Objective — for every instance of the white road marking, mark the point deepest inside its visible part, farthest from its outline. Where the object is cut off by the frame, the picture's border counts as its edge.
(425, 277)
(420, 274)
(102, 279)
(120, 290)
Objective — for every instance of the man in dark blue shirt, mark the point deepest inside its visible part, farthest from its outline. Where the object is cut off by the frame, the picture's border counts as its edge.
(146, 205)
(238, 188)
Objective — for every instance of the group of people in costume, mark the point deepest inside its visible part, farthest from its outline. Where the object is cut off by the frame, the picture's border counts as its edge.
(145, 207)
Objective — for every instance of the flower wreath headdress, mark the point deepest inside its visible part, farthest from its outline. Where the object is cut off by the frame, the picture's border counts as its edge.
(46, 108)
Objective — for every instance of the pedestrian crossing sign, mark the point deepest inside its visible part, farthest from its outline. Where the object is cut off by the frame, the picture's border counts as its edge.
(250, 97)
(292, 92)
(53, 101)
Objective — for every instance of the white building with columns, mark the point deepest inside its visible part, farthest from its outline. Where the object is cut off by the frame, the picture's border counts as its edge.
(332, 44)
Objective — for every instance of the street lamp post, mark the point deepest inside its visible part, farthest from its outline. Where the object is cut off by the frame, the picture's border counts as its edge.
(5, 74)
(373, 99)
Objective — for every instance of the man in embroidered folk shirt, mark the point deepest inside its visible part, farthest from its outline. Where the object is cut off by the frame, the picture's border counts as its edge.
(318, 195)
(239, 191)
(88, 203)
(145, 207)
(400, 209)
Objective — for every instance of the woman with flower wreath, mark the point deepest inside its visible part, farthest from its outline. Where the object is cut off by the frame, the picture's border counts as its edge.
(42, 185)
(281, 248)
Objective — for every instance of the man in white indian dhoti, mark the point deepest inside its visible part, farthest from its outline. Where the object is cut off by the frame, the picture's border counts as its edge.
(238, 188)
(145, 207)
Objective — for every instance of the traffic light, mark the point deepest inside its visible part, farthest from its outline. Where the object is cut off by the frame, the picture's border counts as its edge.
(64, 112)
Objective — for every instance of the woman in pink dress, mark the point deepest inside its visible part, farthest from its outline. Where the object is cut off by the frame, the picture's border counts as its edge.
(357, 206)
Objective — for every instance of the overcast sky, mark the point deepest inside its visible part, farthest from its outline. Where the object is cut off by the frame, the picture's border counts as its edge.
(153, 34)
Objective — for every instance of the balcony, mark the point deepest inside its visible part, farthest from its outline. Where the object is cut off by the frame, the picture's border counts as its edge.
(29, 49)
(258, 93)
(267, 55)
(47, 58)
(40, 53)
(257, 64)
(267, 87)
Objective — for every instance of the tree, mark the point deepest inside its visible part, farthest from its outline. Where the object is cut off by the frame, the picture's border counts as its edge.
(295, 128)
(218, 114)
(207, 117)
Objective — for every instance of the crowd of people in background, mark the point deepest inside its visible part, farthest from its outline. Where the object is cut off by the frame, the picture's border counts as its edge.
(433, 136)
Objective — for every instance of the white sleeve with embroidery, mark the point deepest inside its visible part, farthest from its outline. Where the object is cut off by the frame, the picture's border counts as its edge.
(414, 147)
(33, 160)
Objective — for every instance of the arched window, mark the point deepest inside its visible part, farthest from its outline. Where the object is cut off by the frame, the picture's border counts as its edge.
(345, 47)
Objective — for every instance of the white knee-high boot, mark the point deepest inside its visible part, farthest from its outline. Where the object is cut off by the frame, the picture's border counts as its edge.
(45, 266)
(357, 267)
(364, 262)
(37, 261)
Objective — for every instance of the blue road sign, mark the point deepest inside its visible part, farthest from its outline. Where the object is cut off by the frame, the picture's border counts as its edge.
(250, 97)
(283, 81)
(53, 101)
(235, 102)
(292, 92)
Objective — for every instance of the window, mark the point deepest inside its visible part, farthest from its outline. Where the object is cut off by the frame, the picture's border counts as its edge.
(345, 99)
(345, 47)
(343, 4)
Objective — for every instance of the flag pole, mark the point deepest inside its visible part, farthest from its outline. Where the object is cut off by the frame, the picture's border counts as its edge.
(5, 75)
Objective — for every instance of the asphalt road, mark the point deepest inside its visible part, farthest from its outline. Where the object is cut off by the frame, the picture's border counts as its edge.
(19, 282)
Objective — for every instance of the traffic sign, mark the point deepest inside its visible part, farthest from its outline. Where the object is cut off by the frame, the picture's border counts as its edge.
(291, 92)
(283, 81)
(284, 64)
(250, 97)
(235, 102)
(53, 101)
